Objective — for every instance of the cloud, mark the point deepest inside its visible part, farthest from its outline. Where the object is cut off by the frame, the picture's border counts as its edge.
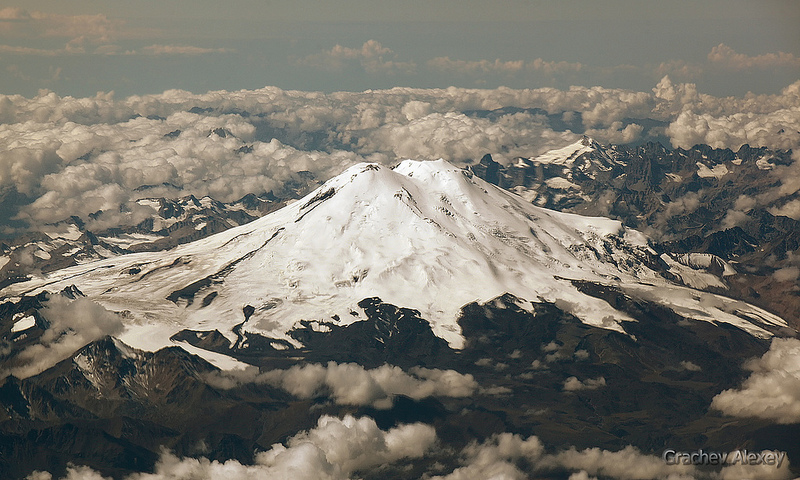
(724, 56)
(511, 68)
(729, 122)
(333, 450)
(510, 456)
(450, 135)
(789, 209)
(352, 384)
(373, 57)
(626, 464)
(755, 472)
(74, 472)
(787, 274)
(73, 169)
(17, 22)
(78, 48)
(496, 458)
(777, 129)
(772, 391)
(690, 366)
(679, 69)
(84, 34)
(73, 324)
(475, 67)
(181, 50)
(39, 52)
(572, 384)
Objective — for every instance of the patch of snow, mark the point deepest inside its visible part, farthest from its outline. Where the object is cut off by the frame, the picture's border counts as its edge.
(675, 177)
(72, 233)
(522, 163)
(42, 254)
(709, 307)
(559, 183)
(127, 240)
(705, 260)
(223, 362)
(103, 252)
(764, 164)
(319, 327)
(4, 261)
(564, 156)
(149, 202)
(528, 194)
(24, 324)
(690, 276)
(717, 172)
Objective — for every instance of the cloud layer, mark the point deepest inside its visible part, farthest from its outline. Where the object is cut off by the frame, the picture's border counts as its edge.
(78, 156)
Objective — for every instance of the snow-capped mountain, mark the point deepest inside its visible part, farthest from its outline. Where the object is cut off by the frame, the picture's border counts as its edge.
(424, 235)
(415, 294)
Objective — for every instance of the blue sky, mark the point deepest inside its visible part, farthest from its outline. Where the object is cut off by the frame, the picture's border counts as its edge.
(80, 47)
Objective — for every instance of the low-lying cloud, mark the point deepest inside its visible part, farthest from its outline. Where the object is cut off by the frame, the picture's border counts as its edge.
(334, 450)
(772, 391)
(352, 384)
(513, 457)
(339, 449)
(572, 384)
(73, 324)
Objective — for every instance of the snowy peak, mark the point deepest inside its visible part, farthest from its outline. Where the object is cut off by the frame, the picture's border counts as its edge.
(585, 154)
(424, 235)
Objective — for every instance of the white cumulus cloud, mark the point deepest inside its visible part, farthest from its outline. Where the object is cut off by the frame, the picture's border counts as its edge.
(773, 389)
(352, 384)
(336, 449)
(73, 324)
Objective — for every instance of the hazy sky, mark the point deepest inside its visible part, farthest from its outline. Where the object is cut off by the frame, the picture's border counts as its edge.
(80, 47)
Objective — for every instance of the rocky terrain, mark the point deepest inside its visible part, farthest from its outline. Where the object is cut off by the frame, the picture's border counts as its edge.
(701, 200)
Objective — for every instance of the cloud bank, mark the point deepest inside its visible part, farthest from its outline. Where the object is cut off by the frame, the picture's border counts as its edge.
(90, 157)
(352, 384)
(338, 449)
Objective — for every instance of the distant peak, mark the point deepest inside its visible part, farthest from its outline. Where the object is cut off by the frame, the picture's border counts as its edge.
(588, 141)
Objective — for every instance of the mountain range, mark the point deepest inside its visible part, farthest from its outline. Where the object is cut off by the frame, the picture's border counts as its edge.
(460, 296)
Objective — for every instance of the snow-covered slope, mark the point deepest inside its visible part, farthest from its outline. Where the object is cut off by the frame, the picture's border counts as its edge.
(425, 235)
(592, 153)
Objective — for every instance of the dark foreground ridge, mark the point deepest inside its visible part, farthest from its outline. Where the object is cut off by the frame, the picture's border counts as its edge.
(112, 407)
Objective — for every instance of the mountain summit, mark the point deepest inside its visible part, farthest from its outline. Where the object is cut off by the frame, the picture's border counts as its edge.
(423, 235)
